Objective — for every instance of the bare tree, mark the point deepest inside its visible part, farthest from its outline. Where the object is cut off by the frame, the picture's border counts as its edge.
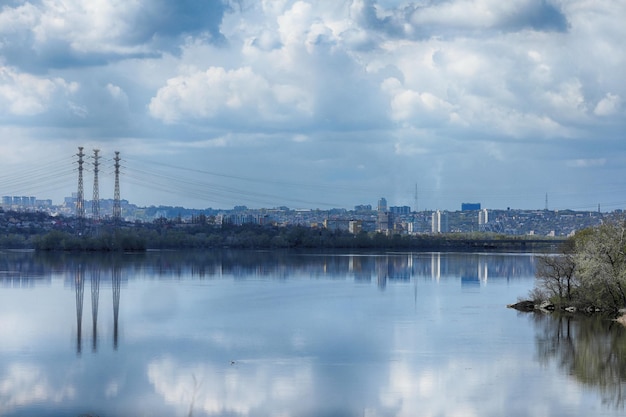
(555, 276)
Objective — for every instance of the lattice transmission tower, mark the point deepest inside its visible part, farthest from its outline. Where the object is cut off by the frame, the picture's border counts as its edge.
(80, 200)
(95, 202)
(117, 207)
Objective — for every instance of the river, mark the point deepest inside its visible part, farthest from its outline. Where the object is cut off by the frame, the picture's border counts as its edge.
(262, 333)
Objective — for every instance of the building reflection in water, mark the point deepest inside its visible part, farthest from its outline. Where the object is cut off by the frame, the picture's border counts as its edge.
(471, 269)
(382, 271)
(483, 270)
(435, 266)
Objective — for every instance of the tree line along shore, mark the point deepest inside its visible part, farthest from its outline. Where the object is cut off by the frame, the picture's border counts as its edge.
(106, 236)
(263, 237)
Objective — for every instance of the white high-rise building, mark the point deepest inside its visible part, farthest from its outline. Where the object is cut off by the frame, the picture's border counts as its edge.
(435, 222)
(439, 222)
(483, 217)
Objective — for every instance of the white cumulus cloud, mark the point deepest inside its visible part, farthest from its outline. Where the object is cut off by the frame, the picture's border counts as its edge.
(218, 92)
(24, 94)
(609, 105)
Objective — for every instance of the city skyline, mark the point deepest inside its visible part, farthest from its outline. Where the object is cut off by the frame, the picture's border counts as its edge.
(69, 205)
(318, 104)
(204, 191)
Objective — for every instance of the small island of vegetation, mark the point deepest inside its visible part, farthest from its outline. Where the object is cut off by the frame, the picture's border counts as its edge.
(587, 275)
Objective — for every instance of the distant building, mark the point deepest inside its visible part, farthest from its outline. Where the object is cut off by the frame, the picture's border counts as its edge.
(439, 221)
(18, 201)
(483, 221)
(384, 222)
(436, 222)
(238, 218)
(382, 204)
(400, 210)
(483, 217)
(470, 206)
(363, 207)
(333, 224)
(355, 226)
(43, 203)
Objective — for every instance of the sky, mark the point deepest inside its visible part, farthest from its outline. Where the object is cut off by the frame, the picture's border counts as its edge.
(317, 104)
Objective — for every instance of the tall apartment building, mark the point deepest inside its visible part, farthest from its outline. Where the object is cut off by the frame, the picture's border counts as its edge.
(18, 201)
(483, 217)
(382, 204)
(439, 221)
(400, 210)
(385, 221)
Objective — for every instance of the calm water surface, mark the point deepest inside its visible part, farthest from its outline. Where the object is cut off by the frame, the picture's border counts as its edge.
(284, 334)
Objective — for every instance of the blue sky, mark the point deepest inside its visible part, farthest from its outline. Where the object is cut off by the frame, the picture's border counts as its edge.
(317, 104)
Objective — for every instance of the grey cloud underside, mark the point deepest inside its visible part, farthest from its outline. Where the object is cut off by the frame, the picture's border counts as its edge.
(155, 28)
(171, 19)
(538, 15)
(58, 54)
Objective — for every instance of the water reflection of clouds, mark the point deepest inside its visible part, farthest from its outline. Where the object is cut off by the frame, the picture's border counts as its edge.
(247, 388)
(465, 387)
(28, 320)
(25, 383)
(294, 387)
(300, 346)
